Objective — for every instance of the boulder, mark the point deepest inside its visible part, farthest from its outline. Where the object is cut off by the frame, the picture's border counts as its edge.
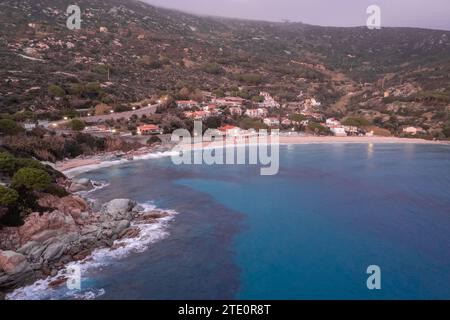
(42, 227)
(54, 251)
(13, 263)
(117, 209)
(122, 225)
(81, 185)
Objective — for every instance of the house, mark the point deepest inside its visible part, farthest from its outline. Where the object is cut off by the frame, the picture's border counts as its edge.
(351, 130)
(28, 126)
(187, 104)
(148, 129)
(338, 131)
(235, 111)
(412, 130)
(272, 121)
(212, 109)
(197, 115)
(256, 113)
(229, 102)
(269, 101)
(230, 130)
(286, 122)
(331, 122)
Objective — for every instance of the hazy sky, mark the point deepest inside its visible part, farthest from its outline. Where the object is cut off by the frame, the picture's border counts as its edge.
(433, 14)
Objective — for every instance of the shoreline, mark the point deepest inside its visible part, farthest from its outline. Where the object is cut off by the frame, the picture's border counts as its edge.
(76, 166)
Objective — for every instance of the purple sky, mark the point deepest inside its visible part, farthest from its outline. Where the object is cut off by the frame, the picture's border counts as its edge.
(434, 14)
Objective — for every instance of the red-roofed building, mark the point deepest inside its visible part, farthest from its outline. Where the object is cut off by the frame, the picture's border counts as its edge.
(148, 129)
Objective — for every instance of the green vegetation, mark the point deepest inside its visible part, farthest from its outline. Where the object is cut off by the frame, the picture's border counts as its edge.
(10, 164)
(212, 68)
(250, 78)
(8, 196)
(249, 123)
(93, 88)
(317, 128)
(356, 122)
(297, 117)
(9, 127)
(76, 88)
(56, 91)
(31, 179)
(77, 125)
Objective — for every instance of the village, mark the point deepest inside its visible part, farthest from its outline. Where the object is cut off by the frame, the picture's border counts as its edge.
(229, 115)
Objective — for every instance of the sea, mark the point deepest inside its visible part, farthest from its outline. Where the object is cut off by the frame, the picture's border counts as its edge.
(313, 231)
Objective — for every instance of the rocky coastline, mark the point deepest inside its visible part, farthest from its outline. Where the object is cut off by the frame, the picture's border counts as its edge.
(68, 231)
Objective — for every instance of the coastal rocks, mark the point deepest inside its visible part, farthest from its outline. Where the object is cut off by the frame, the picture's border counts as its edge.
(81, 185)
(54, 251)
(42, 227)
(71, 204)
(152, 216)
(14, 269)
(118, 209)
(12, 262)
(122, 225)
(69, 232)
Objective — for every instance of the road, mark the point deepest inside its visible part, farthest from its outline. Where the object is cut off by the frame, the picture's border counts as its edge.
(113, 116)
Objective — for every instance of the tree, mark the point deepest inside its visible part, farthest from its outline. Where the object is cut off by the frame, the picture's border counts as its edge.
(56, 90)
(77, 125)
(298, 117)
(317, 128)
(31, 179)
(212, 68)
(8, 196)
(9, 127)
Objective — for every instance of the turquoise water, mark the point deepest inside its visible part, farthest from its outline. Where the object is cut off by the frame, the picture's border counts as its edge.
(309, 232)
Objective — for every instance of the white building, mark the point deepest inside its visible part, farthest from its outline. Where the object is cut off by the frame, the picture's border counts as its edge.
(412, 130)
(236, 111)
(339, 131)
(256, 113)
(187, 104)
(332, 122)
(269, 101)
(272, 121)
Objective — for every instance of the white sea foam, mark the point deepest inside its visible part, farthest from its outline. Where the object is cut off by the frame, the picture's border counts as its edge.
(100, 258)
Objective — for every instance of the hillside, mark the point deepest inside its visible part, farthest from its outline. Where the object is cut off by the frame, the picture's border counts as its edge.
(127, 51)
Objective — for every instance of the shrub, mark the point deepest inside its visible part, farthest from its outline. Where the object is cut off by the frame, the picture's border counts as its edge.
(56, 91)
(9, 127)
(77, 125)
(317, 128)
(76, 89)
(212, 68)
(31, 179)
(8, 196)
(10, 164)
